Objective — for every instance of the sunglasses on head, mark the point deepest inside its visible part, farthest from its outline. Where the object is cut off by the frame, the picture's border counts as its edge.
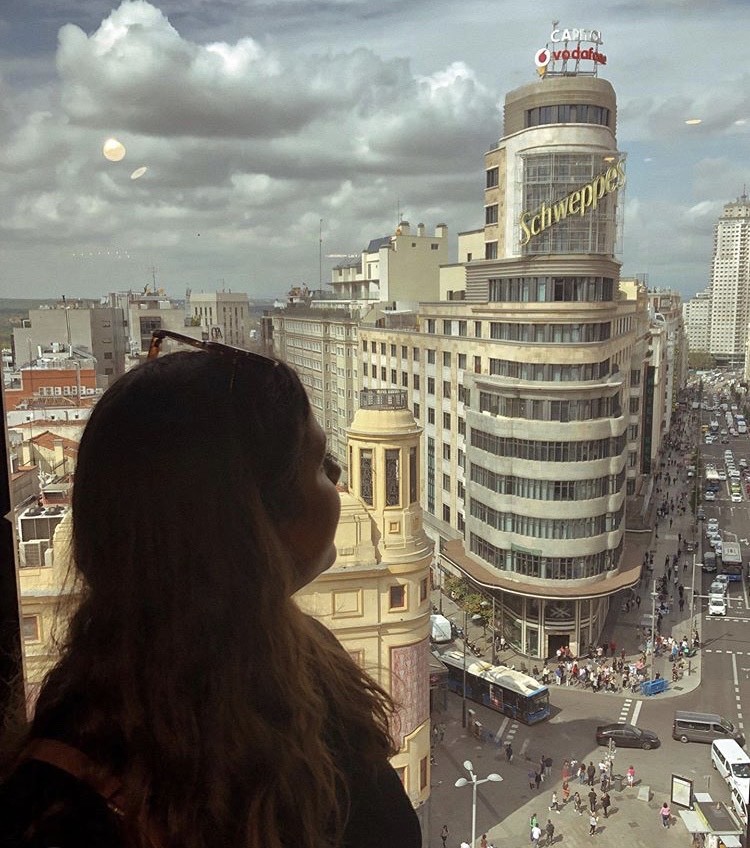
(228, 352)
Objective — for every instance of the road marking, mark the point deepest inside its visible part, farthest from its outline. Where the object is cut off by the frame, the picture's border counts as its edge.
(501, 730)
(740, 723)
(626, 709)
(636, 712)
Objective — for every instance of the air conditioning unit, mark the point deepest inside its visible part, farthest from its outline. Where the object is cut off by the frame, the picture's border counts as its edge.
(32, 553)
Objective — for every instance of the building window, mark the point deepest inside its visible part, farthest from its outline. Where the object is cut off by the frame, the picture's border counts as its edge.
(446, 389)
(492, 177)
(373, 347)
(413, 474)
(461, 427)
(415, 354)
(394, 376)
(430, 415)
(430, 325)
(397, 597)
(430, 357)
(392, 477)
(30, 628)
(364, 369)
(430, 385)
(417, 411)
(423, 774)
(383, 373)
(490, 250)
(446, 451)
(490, 214)
(423, 590)
(446, 359)
(461, 361)
(405, 379)
(415, 382)
(382, 348)
(446, 514)
(447, 420)
(404, 351)
(393, 350)
(446, 482)
(365, 476)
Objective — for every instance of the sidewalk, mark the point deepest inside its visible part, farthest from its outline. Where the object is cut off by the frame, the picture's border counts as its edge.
(505, 809)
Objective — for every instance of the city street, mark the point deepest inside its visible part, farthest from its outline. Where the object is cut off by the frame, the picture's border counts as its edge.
(718, 681)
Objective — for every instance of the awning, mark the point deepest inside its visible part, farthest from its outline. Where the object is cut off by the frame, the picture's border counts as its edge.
(693, 822)
(731, 841)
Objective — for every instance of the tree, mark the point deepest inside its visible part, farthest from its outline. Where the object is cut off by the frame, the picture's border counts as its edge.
(701, 360)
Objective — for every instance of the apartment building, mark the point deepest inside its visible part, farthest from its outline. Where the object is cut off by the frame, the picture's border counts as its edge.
(99, 330)
(222, 316)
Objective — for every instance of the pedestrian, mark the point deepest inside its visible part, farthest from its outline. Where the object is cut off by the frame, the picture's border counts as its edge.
(542, 770)
(549, 829)
(531, 775)
(593, 822)
(547, 767)
(605, 804)
(444, 833)
(591, 773)
(536, 832)
(509, 753)
(537, 779)
(592, 801)
(565, 770)
(681, 604)
(582, 774)
(666, 814)
(554, 805)
(483, 841)
(577, 803)
(565, 792)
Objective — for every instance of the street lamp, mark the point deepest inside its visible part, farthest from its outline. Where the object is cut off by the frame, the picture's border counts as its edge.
(463, 697)
(462, 781)
(653, 631)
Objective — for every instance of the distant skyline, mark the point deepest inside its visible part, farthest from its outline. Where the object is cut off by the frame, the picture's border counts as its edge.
(264, 125)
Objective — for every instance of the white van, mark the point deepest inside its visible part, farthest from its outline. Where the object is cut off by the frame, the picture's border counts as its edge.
(732, 763)
(739, 802)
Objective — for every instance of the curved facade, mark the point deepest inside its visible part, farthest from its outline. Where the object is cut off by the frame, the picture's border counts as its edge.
(546, 430)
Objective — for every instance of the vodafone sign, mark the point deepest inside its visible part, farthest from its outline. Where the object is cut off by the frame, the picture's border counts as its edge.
(567, 44)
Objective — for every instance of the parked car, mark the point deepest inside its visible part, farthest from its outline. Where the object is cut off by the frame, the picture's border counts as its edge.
(736, 497)
(710, 495)
(701, 514)
(627, 736)
(712, 522)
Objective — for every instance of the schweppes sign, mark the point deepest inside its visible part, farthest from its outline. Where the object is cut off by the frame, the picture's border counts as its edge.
(578, 202)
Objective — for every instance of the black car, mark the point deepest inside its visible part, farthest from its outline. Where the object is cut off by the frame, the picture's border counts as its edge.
(627, 736)
(709, 567)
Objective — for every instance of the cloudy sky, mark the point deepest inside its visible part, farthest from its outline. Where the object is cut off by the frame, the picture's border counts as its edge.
(257, 119)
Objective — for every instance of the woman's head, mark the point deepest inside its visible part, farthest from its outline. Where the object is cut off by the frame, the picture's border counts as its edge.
(199, 463)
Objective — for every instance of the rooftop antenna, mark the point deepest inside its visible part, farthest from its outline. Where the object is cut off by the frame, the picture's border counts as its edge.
(320, 256)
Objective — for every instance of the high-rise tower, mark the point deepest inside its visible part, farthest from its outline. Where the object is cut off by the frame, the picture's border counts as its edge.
(547, 448)
(730, 283)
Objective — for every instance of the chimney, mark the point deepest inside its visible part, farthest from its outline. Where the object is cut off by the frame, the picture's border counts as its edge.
(420, 229)
(59, 455)
(403, 228)
(441, 231)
